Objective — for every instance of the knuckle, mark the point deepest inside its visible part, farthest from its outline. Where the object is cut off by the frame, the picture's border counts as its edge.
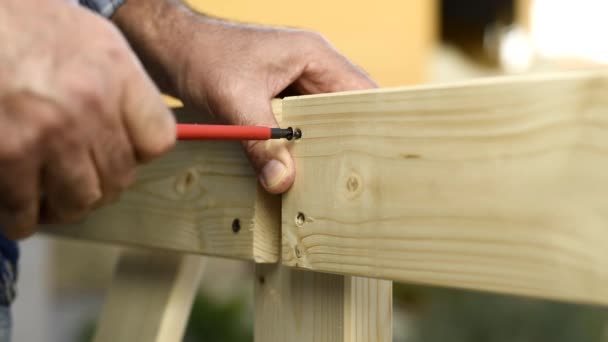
(87, 202)
(87, 93)
(118, 53)
(256, 152)
(78, 210)
(22, 136)
(254, 146)
(18, 148)
(227, 98)
(53, 123)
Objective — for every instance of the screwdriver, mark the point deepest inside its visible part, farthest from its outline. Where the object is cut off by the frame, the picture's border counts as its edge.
(233, 132)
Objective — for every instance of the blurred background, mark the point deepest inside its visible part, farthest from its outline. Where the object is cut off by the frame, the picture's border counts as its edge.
(399, 42)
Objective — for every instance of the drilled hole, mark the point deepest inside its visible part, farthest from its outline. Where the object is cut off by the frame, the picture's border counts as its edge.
(261, 280)
(300, 219)
(236, 225)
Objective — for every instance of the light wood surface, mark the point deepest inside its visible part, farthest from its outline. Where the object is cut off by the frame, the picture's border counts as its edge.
(188, 201)
(497, 185)
(368, 309)
(150, 297)
(523, 13)
(299, 306)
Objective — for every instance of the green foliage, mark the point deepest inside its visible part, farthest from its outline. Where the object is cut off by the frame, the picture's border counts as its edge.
(214, 321)
(436, 315)
(87, 332)
(458, 316)
(210, 321)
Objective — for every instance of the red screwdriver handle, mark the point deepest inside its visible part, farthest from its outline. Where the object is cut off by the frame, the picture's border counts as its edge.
(222, 132)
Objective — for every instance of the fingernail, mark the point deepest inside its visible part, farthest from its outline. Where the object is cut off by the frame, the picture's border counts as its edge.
(273, 173)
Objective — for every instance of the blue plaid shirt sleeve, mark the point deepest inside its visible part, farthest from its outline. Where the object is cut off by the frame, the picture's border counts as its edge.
(103, 7)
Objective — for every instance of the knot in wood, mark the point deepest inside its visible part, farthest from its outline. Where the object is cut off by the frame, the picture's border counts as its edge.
(354, 185)
(186, 181)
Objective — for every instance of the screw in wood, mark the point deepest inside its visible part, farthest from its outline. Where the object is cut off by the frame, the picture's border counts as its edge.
(236, 225)
(297, 134)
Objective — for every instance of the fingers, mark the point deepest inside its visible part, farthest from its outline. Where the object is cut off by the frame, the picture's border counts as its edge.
(71, 187)
(325, 71)
(270, 159)
(115, 163)
(74, 130)
(273, 164)
(19, 199)
(19, 174)
(343, 75)
(66, 174)
(94, 126)
(150, 124)
(328, 71)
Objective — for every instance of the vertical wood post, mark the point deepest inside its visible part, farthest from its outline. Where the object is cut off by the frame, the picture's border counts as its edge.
(150, 297)
(303, 306)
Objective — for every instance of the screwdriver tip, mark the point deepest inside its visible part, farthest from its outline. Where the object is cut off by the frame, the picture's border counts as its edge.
(288, 133)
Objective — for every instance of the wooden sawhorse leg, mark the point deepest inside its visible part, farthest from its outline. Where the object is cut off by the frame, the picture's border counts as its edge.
(303, 306)
(150, 297)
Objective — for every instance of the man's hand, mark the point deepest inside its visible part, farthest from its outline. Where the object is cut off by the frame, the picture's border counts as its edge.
(77, 113)
(235, 70)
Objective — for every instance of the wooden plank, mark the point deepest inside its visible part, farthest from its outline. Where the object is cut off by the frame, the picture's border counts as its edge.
(496, 185)
(189, 201)
(368, 309)
(299, 306)
(150, 297)
(523, 14)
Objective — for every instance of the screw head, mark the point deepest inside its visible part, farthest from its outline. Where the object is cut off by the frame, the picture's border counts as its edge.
(297, 134)
(236, 225)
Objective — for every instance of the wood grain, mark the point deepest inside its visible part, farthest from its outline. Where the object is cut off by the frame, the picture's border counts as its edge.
(300, 306)
(150, 297)
(187, 201)
(368, 309)
(496, 185)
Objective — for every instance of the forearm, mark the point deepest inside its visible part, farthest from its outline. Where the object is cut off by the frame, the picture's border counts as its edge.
(157, 31)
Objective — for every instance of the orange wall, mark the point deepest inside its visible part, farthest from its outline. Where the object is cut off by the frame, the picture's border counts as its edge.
(390, 39)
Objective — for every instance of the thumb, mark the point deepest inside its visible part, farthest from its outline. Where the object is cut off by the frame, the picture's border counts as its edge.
(270, 159)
